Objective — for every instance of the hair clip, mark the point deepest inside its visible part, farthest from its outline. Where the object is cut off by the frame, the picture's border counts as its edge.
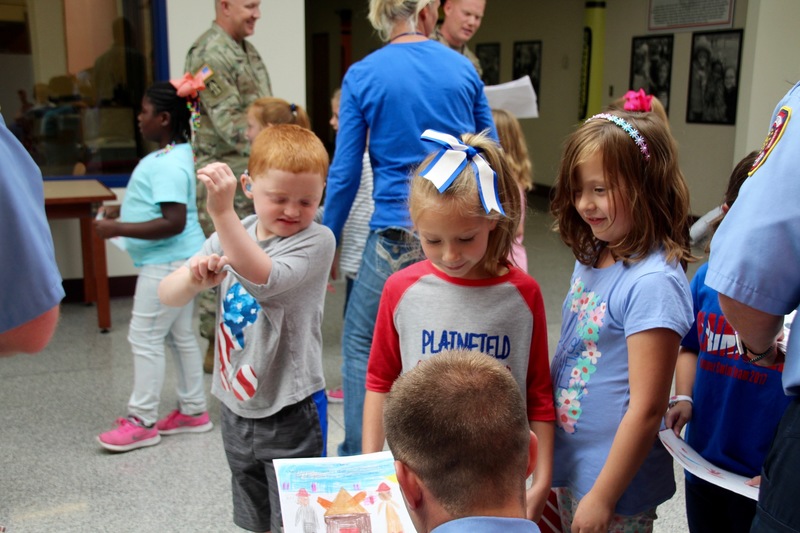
(293, 108)
(638, 101)
(189, 86)
(452, 159)
(634, 134)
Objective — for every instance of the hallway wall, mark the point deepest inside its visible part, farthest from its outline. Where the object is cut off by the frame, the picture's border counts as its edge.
(707, 152)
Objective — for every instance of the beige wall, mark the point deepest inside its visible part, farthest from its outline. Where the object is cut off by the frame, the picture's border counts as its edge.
(770, 64)
(279, 38)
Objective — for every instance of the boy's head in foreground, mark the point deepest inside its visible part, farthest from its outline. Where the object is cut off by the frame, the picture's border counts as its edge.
(458, 429)
(285, 179)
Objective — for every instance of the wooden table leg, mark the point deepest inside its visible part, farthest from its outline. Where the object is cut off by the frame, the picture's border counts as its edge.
(101, 280)
(87, 252)
(95, 273)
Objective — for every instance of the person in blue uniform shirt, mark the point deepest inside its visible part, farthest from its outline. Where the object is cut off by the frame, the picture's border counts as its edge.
(754, 262)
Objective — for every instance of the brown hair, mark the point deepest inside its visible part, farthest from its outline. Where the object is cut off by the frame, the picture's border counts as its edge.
(513, 142)
(287, 147)
(270, 111)
(462, 195)
(654, 191)
(458, 421)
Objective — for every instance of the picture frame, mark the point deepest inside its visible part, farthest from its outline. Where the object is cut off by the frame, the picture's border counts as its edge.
(489, 56)
(651, 66)
(714, 77)
(528, 60)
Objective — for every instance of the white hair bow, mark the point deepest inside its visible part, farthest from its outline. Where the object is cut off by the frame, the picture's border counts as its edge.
(452, 159)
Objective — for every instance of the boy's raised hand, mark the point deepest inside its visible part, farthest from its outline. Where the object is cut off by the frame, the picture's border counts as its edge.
(221, 185)
(207, 271)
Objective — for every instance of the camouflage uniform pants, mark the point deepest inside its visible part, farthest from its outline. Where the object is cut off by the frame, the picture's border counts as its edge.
(207, 301)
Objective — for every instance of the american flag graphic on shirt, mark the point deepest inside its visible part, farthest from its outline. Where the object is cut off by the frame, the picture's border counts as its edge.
(239, 310)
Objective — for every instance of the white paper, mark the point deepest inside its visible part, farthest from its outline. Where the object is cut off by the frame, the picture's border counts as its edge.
(327, 492)
(119, 242)
(517, 97)
(695, 464)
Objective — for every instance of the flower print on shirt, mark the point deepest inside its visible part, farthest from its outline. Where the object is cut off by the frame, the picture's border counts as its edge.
(239, 310)
(590, 311)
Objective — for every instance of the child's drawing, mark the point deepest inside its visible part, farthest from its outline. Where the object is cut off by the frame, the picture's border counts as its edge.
(356, 494)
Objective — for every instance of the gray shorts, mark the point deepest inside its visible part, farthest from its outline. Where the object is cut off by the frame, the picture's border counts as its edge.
(250, 446)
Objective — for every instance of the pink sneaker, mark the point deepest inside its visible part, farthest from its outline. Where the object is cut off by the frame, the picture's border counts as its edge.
(336, 395)
(177, 422)
(129, 435)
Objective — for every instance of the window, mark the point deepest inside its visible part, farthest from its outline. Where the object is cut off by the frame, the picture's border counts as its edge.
(74, 75)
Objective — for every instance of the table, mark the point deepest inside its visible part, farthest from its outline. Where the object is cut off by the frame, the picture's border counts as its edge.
(76, 199)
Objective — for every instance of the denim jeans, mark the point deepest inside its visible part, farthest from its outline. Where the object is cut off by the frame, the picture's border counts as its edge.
(382, 257)
(777, 510)
(153, 325)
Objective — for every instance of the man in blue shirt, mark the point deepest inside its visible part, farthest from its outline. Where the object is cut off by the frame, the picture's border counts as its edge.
(754, 262)
(458, 429)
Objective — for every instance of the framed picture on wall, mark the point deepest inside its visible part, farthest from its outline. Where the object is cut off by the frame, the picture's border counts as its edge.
(489, 56)
(651, 66)
(528, 60)
(714, 77)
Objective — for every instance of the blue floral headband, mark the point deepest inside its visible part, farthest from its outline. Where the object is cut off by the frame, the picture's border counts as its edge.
(632, 132)
(452, 159)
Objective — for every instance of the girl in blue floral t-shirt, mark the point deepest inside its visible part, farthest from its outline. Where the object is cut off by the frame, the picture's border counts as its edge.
(621, 204)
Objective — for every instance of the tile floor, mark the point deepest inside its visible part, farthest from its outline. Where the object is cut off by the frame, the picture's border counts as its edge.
(55, 477)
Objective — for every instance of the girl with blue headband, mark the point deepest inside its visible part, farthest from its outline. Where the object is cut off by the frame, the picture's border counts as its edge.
(621, 203)
(464, 205)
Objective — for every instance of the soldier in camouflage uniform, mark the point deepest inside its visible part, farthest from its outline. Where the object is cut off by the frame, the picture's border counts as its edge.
(235, 76)
(462, 18)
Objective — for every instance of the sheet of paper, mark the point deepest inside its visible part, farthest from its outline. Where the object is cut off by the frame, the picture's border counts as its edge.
(119, 242)
(517, 97)
(694, 463)
(338, 493)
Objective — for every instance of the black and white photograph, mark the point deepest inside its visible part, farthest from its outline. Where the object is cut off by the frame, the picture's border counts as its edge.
(528, 60)
(489, 56)
(651, 66)
(714, 77)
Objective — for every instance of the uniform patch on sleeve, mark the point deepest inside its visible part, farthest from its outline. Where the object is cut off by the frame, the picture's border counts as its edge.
(207, 75)
(774, 135)
(204, 73)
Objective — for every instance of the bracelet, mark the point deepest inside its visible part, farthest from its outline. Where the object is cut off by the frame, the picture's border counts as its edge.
(680, 398)
(744, 351)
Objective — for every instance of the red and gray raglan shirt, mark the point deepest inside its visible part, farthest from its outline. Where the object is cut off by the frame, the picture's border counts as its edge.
(424, 312)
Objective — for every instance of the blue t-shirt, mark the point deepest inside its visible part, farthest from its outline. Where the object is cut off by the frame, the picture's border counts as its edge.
(755, 252)
(31, 282)
(396, 93)
(163, 176)
(590, 371)
(728, 391)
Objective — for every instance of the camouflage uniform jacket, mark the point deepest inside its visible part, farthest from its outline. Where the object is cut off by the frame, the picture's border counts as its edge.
(235, 76)
(463, 50)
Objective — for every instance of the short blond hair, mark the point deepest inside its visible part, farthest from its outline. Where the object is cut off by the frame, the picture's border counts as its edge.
(290, 148)
(385, 14)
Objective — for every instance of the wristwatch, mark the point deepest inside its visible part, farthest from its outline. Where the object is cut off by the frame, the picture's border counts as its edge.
(744, 351)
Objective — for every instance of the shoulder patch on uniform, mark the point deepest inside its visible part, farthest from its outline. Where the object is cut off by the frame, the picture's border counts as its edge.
(204, 73)
(774, 135)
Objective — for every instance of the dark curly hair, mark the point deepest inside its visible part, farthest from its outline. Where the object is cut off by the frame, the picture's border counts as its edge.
(164, 98)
